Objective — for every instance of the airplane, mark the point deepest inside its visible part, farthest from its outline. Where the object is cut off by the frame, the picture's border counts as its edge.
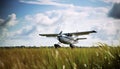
(68, 38)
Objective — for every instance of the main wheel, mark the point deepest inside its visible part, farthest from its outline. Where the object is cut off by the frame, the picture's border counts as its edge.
(57, 46)
(72, 46)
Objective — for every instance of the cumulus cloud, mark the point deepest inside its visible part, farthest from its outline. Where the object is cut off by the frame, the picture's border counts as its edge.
(1, 21)
(65, 18)
(24, 32)
(42, 19)
(112, 1)
(46, 2)
(7, 23)
(71, 19)
(115, 11)
(74, 19)
(10, 21)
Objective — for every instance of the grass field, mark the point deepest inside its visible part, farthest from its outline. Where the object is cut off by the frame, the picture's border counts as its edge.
(102, 57)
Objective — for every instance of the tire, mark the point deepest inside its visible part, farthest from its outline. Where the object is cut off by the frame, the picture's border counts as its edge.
(57, 46)
(72, 46)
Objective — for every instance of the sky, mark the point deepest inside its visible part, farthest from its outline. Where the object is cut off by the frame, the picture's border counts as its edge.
(21, 21)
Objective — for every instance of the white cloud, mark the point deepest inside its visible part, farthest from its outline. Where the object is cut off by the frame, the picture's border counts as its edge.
(23, 31)
(77, 19)
(5, 24)
(46, 2)
(10, 21)
(112, 1)
(72, 19)
(1, 21)
(41, 19)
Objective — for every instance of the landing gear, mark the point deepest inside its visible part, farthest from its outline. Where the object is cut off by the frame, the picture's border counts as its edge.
(72, 46)
(57, 46)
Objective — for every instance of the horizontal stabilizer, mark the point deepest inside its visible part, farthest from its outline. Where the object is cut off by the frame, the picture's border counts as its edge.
(81, 38)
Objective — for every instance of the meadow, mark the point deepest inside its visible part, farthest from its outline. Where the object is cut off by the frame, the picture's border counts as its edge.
(102, 57)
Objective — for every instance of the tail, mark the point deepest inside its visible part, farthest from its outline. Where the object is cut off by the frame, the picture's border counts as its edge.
(60, 33)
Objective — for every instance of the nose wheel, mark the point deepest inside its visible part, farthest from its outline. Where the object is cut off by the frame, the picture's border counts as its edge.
(57, 46)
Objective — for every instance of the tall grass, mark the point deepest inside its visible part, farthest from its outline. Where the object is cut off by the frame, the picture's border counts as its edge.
(102, 57)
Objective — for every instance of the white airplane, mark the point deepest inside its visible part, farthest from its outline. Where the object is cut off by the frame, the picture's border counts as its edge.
(68, 38)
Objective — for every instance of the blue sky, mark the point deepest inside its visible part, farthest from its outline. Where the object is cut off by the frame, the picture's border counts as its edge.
(22, 20)
(22, 9)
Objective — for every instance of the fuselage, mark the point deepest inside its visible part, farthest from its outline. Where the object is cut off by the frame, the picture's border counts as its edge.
(66, 39)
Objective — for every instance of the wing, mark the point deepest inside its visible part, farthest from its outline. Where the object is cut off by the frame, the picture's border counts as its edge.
(81, 33)
(49, 35)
